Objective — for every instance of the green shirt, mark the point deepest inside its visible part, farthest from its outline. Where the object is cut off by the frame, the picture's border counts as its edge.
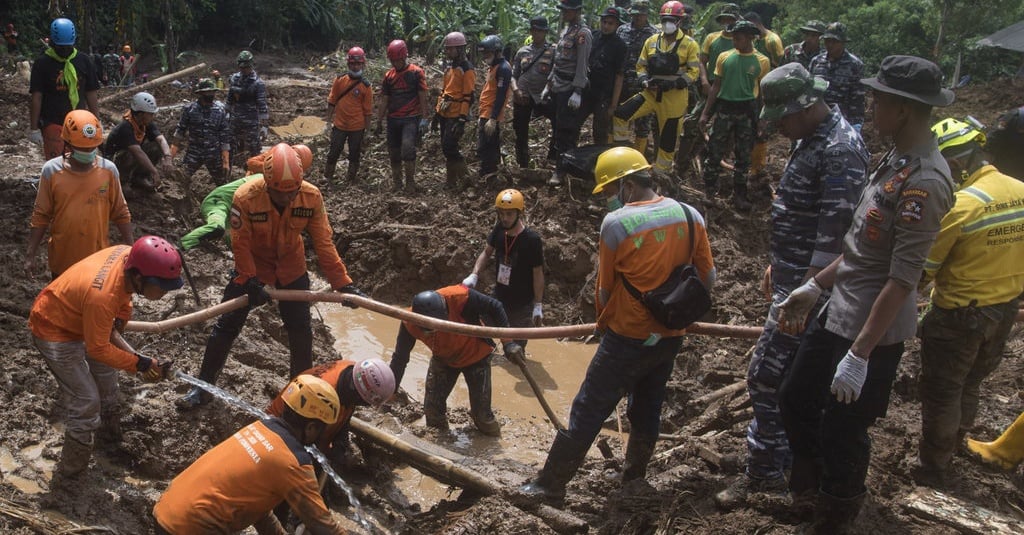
(741, 74)
(714, 45)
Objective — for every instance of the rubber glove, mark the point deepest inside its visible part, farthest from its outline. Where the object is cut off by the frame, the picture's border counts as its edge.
(538, 314)
(470, 281)
(258, 295)
(264, 132)
(545, 95)
(351, 289)
(514, 352)
(153, 370)
(849, 378)
(35, 136)
(490, 127)
(574, 100)
(795, 308)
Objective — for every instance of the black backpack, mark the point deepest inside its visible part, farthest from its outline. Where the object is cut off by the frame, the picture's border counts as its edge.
(664, 63)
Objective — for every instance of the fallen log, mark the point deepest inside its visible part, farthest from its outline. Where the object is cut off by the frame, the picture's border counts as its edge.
(964, 517)
(445, 470)
(152, 83)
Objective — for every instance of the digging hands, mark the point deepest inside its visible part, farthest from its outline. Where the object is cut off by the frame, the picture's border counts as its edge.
(351, 289)
(153, 370)
(470, 281)
(258, 295)
(793, 311)
(514, 352)
(538, 314)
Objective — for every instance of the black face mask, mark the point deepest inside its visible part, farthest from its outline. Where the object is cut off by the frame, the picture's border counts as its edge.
(206, 99)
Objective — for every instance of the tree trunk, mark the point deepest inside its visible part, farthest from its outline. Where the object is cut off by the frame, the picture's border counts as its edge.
(943, 14)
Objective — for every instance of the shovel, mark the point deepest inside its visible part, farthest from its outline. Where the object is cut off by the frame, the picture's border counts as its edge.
(537, 391)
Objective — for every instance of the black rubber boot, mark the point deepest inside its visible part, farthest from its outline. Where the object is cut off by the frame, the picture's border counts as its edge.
(638, 453)
(410, 176)
(564, 459)
(804, 479)
(74, 457)
(396, 176)
(110, 426)
(834, 516)
(740, 202)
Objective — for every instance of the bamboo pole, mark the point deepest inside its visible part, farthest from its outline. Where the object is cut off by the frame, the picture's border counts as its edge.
(555, 421)
(152, 83)
(449, 472)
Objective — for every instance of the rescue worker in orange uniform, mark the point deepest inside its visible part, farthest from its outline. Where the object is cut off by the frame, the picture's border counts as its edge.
(254, 165)
(453, 108)
(238, 482)
(493, 100)
(79, 195)
(75, 323)
(455, 354)
(267, 218)
(349, 106)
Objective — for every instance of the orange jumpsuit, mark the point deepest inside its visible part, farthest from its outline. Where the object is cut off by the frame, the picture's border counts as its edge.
(330, 372)
(268, 244)
(455, 350)
(78, 209)
(238, 482)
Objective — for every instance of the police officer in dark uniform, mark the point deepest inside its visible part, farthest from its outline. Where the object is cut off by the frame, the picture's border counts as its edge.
(530, 70)
(568, 79)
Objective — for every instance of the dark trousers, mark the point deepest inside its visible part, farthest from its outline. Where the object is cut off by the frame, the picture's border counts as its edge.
(245, 139)
(129, 168)
(452, 129)
(294, 314)
(488, 148)
(567, 123)
(959, 349)
(441, 380)
(598, 105)
(521, 115)
(402, 137)
(519, 316)
(354, 138)
(623, 366)
(214, 165)
(823, 430)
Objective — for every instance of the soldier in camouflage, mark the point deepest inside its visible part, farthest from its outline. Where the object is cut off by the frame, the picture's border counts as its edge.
(634, 33)
(843, 71)
(209, 138)
(247, 104)
(804, 51)
(810, 215)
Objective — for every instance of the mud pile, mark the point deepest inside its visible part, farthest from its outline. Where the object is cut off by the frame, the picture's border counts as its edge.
(396, 245)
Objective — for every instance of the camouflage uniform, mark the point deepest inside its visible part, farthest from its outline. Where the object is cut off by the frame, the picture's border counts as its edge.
(247, 104)
(810, 215)
(634, 39)
(795, 53)
(208, 134)
(844, 87)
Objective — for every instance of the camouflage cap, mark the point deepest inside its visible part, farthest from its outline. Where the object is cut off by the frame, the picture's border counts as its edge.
(789, 89)
(205, 85)
(640, 7)
(813, 26)
(744, 26)
(835, 30)
(729, 11)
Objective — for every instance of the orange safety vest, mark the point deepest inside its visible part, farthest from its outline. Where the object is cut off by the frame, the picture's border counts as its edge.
(455, 350)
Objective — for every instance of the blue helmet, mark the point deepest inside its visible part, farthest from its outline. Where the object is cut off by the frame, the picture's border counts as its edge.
(62, 32)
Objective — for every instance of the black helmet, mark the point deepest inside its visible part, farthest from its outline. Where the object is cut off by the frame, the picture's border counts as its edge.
(491, 42)
(431, 304)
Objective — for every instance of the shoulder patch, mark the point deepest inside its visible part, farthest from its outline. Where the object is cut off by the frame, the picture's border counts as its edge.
(302, 212)
(235, 218)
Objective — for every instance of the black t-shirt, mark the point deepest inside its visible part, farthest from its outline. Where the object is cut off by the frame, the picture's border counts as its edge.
(48, 78)
(525, 252)
(607, 60)
(122, 137)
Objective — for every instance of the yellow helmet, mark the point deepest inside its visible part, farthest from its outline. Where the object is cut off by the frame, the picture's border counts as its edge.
(953, 133)
(616, 163)
(313, 398)
(510, 199)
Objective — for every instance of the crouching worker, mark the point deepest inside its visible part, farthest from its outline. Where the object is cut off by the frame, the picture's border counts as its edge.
(455, 354)
(237, 483)
(75, 322)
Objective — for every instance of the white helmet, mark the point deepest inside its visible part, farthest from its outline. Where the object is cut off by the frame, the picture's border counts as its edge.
(374, 381)
(144, 102)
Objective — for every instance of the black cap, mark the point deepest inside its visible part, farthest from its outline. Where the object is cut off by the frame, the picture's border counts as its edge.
(911, 77)
(752, 16)
(570, 4)
(539, 23)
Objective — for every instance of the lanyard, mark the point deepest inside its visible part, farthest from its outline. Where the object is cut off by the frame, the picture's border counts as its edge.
(510, 245)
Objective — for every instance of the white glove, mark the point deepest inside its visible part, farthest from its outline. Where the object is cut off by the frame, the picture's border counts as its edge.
(574, 100)
(35, 136)
(470, 281)
(538, 314)
(849, 377)
(795, 308)
(545, 94)
(490, 126)
(264, 131)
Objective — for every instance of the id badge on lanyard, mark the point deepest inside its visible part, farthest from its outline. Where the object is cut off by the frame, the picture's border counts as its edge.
(504, 274)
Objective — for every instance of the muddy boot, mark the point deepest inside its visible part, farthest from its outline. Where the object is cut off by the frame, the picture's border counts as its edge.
(352, 174)
(740, 202)
(195, 398)
(396, 176)
(834, 516)
(329, 173)
(410, 176)
(557, 178)
(461, 172)
(110, 427)
(564, 459)
(74, 457)
(1007, 451)
(804, 479)
(638, 453)
(488, 425)
(450, 183)
(711, 188)
(736, 495)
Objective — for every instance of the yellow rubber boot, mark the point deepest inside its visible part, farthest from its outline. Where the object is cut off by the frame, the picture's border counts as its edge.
(1006, 451)
(758, 157)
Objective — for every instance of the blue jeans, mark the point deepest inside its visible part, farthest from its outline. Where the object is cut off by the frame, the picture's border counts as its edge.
(624, 367)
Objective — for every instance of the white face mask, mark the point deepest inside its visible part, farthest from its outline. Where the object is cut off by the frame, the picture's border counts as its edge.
(669, 27)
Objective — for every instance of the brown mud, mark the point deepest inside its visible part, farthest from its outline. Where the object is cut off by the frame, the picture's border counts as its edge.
(396, 245)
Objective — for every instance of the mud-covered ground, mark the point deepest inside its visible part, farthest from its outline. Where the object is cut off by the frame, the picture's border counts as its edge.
(396, 245)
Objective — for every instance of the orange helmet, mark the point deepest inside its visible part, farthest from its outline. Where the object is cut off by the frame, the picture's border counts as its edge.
(282, 169)
(305, 156)
(82, 129)
(510, 199)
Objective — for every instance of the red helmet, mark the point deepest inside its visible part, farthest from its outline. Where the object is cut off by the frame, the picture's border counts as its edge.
(305, 155)
(397, 50)
(153, 256)
(356, 54)
(673, 8)
(455, 39)
(282, 168)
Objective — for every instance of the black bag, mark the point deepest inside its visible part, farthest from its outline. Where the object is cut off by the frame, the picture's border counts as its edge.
(664, 63)
(682, 299)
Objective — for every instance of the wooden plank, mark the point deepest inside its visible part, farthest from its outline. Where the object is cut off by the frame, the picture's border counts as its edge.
(965, 517)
